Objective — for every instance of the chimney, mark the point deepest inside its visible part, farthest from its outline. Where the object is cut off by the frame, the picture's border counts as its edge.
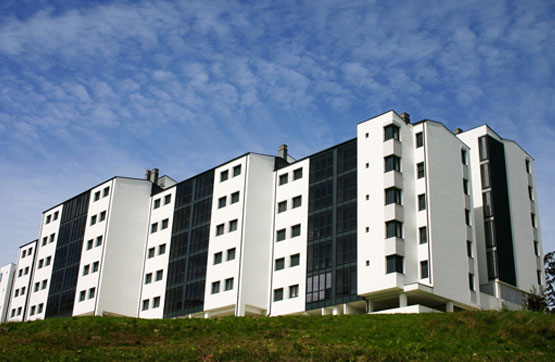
(405, 117)
(147, 173)
(282, 152)
(154, 176)
(458, 130)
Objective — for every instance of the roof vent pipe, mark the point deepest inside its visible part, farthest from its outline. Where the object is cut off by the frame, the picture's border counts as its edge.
(458, 130)
(405, 117)
(282, 152)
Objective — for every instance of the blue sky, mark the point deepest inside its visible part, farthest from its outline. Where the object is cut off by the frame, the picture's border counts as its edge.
(90, 89)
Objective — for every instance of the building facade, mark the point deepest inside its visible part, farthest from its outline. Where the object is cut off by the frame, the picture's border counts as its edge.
(405, 217)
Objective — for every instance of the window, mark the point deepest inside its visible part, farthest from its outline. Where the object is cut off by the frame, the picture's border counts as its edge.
(230, 254)
(159, 274)
(283, 179)
(224, 175)
(392, 196)
(533, 220)
(294, 291)
(43, 285)
(235, 197)
(469, 248)
(154, 228)
(419, 140)
(13, 313)
(294, 260)
(167, 199)
(20, 273)
(26, 270)
(33, 310)
(219, 229)
(48, 260)
(391, 132)
(156, 203)
(465, 186)
(93, 219)
(48, 218)
(145, 304)
(420, 170)
(218, 258)
(165, 223)
(539, 276)
(222, 202)
(156, 302)
(463, 157)
(17, 292)
(44, 241)
(394, 264)
(483, 148)
(36, 288)
(280, 264)
(86, 269)
(97, 196)
(424, 269)
(215, 287)
(282, 206)
(19, 311)
(467, 216)
(281, 235)
(295, 230)
(102, 216)
(236, 170)
(23, 254)
(423, 233)
(421, 202)
(95, 266)
(394, 229)
(52, 237)
(99, 240)
(228, 284)
(297, 201)
(487, 204)
(41, 263)
(471, 281)
(148, 278)
(527, 163)
(485, 176)
(83, 293)
(56, 214)
(106, 191)
(89, 244)
(151, 253)
(297, 174)
(161, 249)
(536, 248)
(392, 163)
(233, 225)
(41, 306)
(278, 294)
(530, 193)
(92, 293)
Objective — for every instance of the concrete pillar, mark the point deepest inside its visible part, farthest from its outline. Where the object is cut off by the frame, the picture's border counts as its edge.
(403, 300)
(335, 311)
(449, 307)
(370, 306)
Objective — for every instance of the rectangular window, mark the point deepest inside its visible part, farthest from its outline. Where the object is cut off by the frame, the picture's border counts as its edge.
(236, 170)
(487, 204)
(151, 252)
(218, 258)
(167, 199)
(483, 148)
(97, 196)
(391, 132)
(93, 219)
(282, 206)
(297, 174)
(222, 202)
(224, 175)
(419, 140)
(297, 201)
(156, 302)
(23, 253)
(52, 237)
(215, 287)
(86, 269)
(489, 231)
(44, 241)
(536, 248)
(102, 216)
(165, 223)
(394, 264)
(420, 171)
(92, 293)
(421, 202)
(392, 163)
(37, 284)
(423, 235)
(281, 235)
(230, 254)
(33, 310)
(484, 173)
(219, 229)
(527, 164)
(156, 203)
(154, 228)
(465, 187)
(233, 225)
(89, 244)
(228, 284)
(159, 275)
(48, 260)
(278, 294)
(294, 260)
(283, 179)
(463, 157)
(469, 248)
(41, 263)
(106, 192)
(471, 281)
(48, 218)
(41, 306)
(56, 214)
(235, 197)
(467, 216)
(43, 284)
(392, 196)
(530, 193)
(280, 264)
(294, 291)
(82, 295)
(424, 269)
(99, 240)
(95, 266)
(295, 230)
(148, 278)
(161, 249)
(145, 304)
(533, 220)
(394, 229)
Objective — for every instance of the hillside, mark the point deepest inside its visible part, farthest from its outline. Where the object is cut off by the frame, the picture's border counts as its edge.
(465, 335)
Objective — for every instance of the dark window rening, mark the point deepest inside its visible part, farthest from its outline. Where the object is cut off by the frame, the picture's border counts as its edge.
(497, 218)
(65, 271)
(332, 227)
(189, 246)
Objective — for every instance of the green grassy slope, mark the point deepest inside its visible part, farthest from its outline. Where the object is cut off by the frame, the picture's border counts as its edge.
(465, 335)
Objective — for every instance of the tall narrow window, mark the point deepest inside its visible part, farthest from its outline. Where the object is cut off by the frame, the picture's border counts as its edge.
(421, 202)
(471, 281)
(419, 140)
(420, 170)
(463, 157)
(465, 187)
(424, 269)
(527, 163)
(423, 235)
(467, 216)
(469, 248)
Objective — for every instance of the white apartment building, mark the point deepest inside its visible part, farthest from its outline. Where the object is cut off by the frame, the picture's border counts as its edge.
(6, 280)
(404, 218)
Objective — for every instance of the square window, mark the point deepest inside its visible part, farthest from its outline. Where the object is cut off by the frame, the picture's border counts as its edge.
(283, 179)
(156, 302)
(236, 170)
(281, 235)
(218, 258)
(392, 196)
(421, 202)
(394, 229)
(106, 191)
(161, 249)
(165, 223)
(86, 269)
(215, 287)
(219, 229)
(89, 244)
(282, 206)
(423, 235)
(148, 278)
(424, 269)
(230, 254)
(167, 199)
(297, 174)
(295, 230)
(420, 169)
(297, 201)
(228, 284)
(280, 264)
(222, 202)
(233, 225)
(97, 196)
(392, 163)
(469, 248)
(95, 266)
(82, 295)
(102, 216)
(154, 228)
(224, 175)
(156, 203)
(146, 302)
(93, 219)
(294, 291)
(278, 294)
(151, 253)
(394, 264)
(294, 260)
(159, 274)
(92, 293)
(391, 132)
(419, 140)
(99, 240)
(235, 197)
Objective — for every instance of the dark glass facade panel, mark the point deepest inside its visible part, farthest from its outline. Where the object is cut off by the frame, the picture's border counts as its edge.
(347, 218)
(483, 148)
(320, 226)
(347, 158)
(491, 257)
(65, 271)
(346, 251)
(487, 204)
(489, 230)
(321, 166)
(346, 282)
(321, 195)
(347, 187)
(485, 175)
(319, 256)
(189, 246)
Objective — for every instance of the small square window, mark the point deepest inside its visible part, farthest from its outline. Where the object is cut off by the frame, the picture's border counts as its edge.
(215, 287)
(420, 169)
(294, 260)
(278, 294)
(294, 291)
(297, 174)
(233, 225)
(219, 229)
(92, 293)
(282, 206)
(146, 302)
(154, 228)
(167, 199)
(222, 202)
(281, 235)
(280, 264)
(419, 140)
(297, 201)
(156, 302)
(89, 244)
(151, 253)
(228, 284)
(148, 278)
(82, 295)
(295, 230)
(93, 219)
(283, 179)
(421, 202)
(165, 223)
(99, 240)
(224, 175)
(86, 269)
(106, 191)
(156, 203)
(95, 266)
(159, 274)
(162, 249)
(218, 258)
(424, 269)
(230, 254)
(102, 216)
(97, 196)
(423, 235)
(236, 170)
(235, 197)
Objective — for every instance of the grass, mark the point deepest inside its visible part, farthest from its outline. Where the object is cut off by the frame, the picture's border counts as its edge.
(466, 335)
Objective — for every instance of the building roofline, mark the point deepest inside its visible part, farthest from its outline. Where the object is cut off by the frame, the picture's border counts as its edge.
(28, 243)
(501, 138)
